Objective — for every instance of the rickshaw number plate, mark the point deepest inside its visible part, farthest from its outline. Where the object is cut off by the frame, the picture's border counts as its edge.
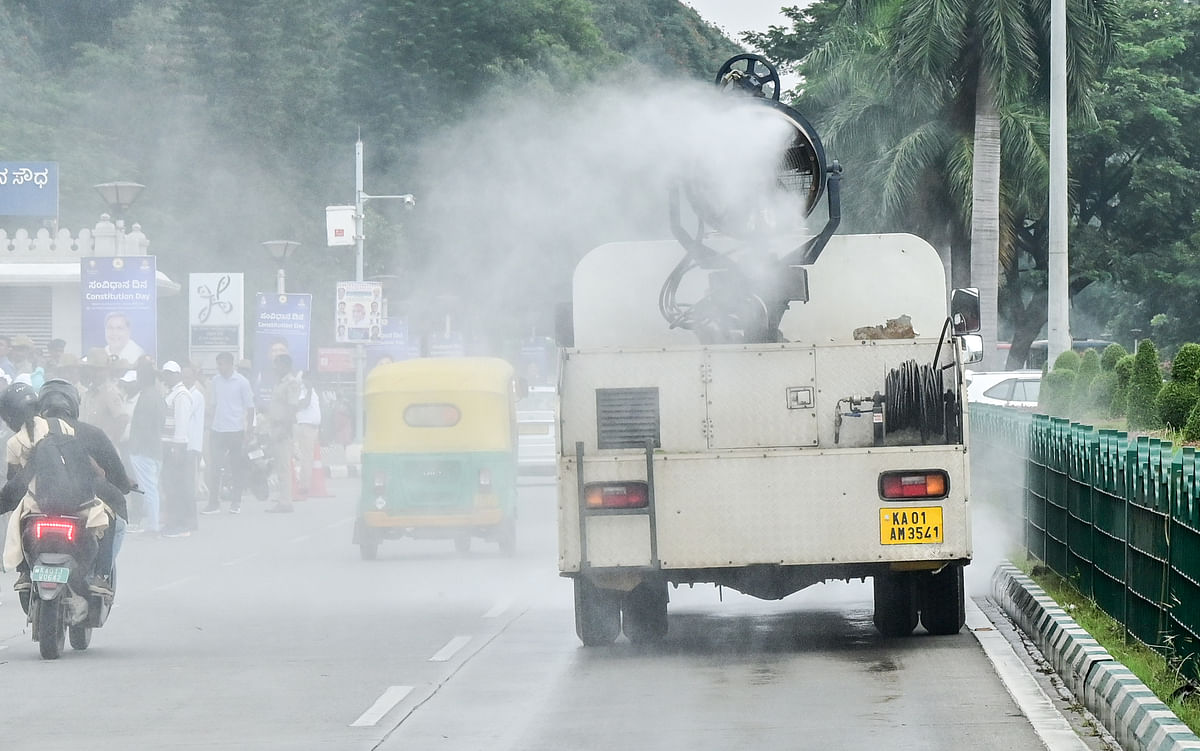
(50, 574)
(905, 526)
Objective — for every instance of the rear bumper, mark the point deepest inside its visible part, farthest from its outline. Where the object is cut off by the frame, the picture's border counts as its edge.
(476, 518)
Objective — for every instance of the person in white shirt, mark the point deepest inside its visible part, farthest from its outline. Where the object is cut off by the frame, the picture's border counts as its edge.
(179, 504)
(308, 429)
(195, 435)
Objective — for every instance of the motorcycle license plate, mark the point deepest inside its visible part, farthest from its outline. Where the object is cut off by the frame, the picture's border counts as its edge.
(50, 574)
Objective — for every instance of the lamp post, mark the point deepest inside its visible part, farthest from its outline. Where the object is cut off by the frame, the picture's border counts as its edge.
(360, 201)
(280, 250)
(119, 196)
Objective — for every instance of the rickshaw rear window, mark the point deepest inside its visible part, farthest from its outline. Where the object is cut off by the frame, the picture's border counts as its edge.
(431, 415)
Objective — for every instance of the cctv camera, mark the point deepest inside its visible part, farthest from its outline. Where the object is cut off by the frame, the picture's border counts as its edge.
(410, 202)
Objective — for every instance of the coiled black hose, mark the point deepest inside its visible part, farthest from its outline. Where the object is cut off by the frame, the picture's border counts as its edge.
(915, 399)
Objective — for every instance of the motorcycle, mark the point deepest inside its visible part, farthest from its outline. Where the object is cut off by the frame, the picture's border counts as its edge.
(60, 553)
(259, 478)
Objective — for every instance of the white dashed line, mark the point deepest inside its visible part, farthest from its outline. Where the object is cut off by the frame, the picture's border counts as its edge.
(301, 538)
(340, 522)
(384, 704)
(448, 651)
(499, 608)
(243, 559)
(3, 646)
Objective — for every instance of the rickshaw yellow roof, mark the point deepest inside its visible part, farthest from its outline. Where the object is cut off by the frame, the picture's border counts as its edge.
(442, 373)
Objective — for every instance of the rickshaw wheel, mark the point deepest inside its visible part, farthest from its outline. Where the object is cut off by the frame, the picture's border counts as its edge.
(508, 538)
(368, 549)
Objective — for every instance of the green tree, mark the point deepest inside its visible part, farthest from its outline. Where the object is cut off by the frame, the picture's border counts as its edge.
(1089, 369)
(1144, 385)
(1178, 397)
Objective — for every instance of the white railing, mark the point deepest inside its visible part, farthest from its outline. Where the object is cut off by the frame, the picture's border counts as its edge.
(105, 239)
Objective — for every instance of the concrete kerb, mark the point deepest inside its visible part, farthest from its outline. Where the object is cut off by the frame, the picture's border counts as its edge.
(1129, 710)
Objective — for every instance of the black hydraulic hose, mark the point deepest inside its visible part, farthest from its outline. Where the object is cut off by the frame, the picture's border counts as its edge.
(915, 399)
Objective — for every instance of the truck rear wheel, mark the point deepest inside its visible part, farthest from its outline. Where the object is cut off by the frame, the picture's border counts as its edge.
(943, 601)
(597, 614)
(644, 613)
(895, 603)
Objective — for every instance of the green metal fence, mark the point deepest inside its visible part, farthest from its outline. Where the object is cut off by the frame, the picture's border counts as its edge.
(1118, 515)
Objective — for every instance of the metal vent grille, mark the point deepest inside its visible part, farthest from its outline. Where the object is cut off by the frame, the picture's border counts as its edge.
(27, 311)
(626, 418)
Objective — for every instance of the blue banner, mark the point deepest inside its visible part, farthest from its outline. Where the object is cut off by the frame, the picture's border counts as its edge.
(282, 324)
(29, 189)
(393, 343)
(120, 307)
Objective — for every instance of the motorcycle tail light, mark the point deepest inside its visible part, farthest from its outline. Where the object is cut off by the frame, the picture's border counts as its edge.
(43, 528)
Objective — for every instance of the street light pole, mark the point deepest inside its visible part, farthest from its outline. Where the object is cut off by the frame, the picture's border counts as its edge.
(280, 250)
(1058, 314)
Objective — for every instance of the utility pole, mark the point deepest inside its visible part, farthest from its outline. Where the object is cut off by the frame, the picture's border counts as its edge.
(1058, 313)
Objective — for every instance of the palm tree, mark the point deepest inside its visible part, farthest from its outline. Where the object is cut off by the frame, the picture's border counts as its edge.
(971, 62)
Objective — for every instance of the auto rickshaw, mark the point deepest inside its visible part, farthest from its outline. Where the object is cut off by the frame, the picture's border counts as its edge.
(439, 453)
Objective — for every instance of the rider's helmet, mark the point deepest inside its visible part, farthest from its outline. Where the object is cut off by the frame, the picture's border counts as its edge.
(17, 405)
(59, 398)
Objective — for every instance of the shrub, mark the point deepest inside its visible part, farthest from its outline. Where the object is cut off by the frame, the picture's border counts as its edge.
(1144, 386)
(1186, 363)
(1112, 353)
(1089, 368)
(1101, 393)
(1175, 402)
(1191, 429)
(1068, 360)
(1057, 388)
(1124, 372)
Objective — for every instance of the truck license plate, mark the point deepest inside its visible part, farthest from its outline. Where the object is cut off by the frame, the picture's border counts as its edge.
(50, 574)
(900, 526)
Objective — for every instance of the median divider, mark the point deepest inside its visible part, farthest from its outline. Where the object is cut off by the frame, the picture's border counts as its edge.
(1129, 710)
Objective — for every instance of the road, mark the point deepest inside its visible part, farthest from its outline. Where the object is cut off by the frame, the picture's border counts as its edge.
(268, 632)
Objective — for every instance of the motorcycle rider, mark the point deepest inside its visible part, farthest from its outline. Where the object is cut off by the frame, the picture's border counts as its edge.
(59, 398)
(18, 409)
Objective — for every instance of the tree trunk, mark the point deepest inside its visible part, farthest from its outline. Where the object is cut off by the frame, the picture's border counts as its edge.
(985, 219)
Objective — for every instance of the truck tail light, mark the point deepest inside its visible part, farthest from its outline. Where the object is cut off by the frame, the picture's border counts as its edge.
(901, 486)
(616, 495)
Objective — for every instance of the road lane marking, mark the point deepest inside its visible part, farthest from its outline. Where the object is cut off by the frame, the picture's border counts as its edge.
(384, 704)
(448, 651)
(1051, 727)
(499, 608)
(243, 559)
(175, 583)
(301, 538)
(340, 522)
(3, 646)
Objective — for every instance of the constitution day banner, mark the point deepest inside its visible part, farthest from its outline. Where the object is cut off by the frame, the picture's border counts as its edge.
(120, 306)
(282, 325)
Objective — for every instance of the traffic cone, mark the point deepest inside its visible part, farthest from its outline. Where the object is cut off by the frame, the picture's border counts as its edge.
(316, 484)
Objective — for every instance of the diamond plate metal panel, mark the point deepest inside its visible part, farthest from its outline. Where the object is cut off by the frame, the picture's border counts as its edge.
(618, 540)
(748, 396)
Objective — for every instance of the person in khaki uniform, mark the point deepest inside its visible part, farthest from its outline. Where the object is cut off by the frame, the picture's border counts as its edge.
(281, 418)
(103, 403)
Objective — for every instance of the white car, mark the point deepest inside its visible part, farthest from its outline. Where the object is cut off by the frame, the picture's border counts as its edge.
(1007, 388)
(537, 431)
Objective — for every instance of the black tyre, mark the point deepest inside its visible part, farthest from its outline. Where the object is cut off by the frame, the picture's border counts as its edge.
(895, 603)
(644, 613)
(462, 544)
(507, 537)
(597, 614)
(368, 548)
(51, 631)
(943, 601)
(80, 636)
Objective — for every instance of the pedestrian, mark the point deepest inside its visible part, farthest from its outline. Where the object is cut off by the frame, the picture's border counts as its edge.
(6, 363)
(308, 430)
(176, 487)
(232, 423)
(144, 445)
(196, 425)
(281, 417)
(103, 404)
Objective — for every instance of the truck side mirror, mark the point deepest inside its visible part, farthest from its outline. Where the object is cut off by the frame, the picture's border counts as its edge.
(972, 347)
(964, 310)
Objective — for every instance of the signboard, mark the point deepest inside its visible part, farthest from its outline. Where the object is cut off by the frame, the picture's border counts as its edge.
(282, 325)
(339, 226)
(359, 314)
(335, 360)
(537, 361)
(29, 189)
(446, 344)
(120, 306)
(216, 317)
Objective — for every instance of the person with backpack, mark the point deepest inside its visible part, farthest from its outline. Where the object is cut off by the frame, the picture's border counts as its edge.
(46, 461)
(59, 398)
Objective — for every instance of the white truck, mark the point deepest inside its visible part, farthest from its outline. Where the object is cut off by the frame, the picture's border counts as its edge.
(765, 438)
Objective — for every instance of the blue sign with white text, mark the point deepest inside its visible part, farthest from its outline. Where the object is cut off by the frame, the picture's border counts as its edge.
(120, 307)
(282, 324)
(29, 189)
